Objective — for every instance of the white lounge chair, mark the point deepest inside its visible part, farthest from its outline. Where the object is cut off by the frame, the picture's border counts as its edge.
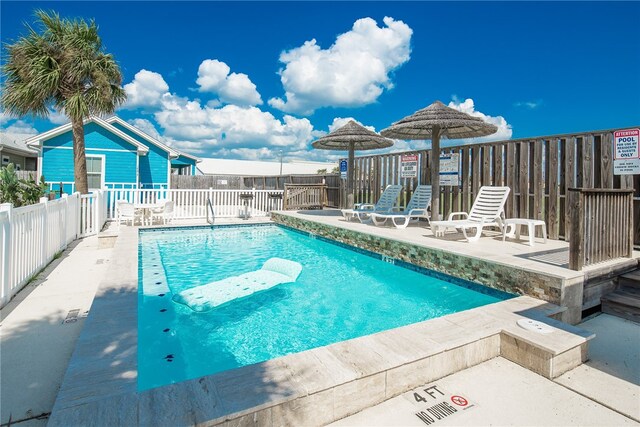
(487, 211)
(416, 209)
(164, 213)
(274, 272)
(385, 204)
(126, 212)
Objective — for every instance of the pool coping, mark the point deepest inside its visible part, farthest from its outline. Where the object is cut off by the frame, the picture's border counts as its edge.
(316, 386)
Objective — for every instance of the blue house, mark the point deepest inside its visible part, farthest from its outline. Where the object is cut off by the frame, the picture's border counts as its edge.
(118, 155)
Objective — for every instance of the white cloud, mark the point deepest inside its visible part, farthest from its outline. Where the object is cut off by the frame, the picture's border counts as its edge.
(532, 105)
(352, 72)
(467, 106)
(147, 127)
(146, 90)
(187, 123)
(20, 127)
(5, 117)
(57, 117)
(232, 88)
(338, 122)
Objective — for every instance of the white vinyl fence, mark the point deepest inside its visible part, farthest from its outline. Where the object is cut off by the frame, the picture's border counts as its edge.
(190, 204)
(31, 236)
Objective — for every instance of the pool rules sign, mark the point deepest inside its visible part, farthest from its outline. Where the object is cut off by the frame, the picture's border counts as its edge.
(409, 166)
(626, 152)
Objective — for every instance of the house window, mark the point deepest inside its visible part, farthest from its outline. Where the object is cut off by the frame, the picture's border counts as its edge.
(94, 172)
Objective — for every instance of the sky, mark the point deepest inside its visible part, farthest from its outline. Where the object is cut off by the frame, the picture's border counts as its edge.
(246, 80)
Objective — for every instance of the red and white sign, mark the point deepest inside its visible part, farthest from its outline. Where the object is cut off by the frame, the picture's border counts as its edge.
(409, 166)
(459, 400)
(626, 152)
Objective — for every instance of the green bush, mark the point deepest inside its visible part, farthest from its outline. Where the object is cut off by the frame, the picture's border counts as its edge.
(19, 192)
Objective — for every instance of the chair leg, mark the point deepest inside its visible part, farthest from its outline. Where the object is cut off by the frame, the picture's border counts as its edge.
(405, 222)
(376, 222)
(532, 233)
(475, 237)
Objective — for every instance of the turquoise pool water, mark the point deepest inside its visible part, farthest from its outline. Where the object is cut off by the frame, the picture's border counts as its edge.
(340, 294)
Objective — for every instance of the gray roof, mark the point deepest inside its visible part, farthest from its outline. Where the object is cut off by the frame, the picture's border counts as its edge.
(453, 124)
(15, 142)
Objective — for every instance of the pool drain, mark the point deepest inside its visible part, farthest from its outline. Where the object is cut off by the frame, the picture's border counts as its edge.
(535, 326)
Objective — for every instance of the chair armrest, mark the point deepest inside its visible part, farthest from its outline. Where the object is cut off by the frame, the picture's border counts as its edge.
(452, 214)
(396, 209)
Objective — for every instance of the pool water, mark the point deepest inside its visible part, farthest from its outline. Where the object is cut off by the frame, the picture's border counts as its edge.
(340, 294)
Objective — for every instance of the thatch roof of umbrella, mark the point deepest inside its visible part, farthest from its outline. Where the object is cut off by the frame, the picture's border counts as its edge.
(452, 124)
(352, 133)
(434, 122)
(351, 137)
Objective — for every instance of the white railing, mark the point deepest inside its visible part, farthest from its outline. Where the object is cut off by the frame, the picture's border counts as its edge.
(31, 236)
(192, 204)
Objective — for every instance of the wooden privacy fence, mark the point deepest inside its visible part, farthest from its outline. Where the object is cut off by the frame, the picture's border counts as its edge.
(307, 196)
(539, 172)
(236, 182)
(601, 226)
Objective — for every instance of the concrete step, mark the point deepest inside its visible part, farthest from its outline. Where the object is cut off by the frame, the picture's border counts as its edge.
(630, 280)
(625, 303)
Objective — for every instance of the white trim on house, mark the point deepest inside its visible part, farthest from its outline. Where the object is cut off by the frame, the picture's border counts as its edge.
(137, 170)
(103, 172)
(53, 147)
(37, 140)
(172, 153)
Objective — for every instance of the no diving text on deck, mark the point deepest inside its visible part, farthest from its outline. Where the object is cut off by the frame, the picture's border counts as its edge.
(435, 404)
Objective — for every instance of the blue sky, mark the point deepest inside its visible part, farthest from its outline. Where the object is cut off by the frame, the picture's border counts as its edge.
(246, 79)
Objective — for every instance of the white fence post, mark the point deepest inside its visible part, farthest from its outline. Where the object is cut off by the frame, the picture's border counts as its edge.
(45, 236)
(65, 219)
(5, 277)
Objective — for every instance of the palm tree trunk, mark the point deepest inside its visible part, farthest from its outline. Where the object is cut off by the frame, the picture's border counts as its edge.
(79, 158)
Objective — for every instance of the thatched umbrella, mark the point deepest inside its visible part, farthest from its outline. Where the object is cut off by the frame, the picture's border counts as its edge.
(434, 122)
(351, 137)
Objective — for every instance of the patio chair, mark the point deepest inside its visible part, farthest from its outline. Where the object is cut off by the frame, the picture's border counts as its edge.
(487, 211)
(126, 212)
(164, 213)
(363, 211)
(416, 209)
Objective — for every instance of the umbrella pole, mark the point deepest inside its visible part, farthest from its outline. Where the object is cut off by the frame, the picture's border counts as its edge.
(435, 173)
(350, 176)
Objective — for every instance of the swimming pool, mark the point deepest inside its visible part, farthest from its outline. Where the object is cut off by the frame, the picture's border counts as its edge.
(340, 294)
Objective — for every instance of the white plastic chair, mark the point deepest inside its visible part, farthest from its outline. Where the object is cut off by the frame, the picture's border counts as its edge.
(125, 212)
(416, 209)
(384, 205)
(487, 211)
(165, 213)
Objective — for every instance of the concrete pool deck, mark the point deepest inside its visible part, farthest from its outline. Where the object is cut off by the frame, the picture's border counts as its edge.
(113, 351)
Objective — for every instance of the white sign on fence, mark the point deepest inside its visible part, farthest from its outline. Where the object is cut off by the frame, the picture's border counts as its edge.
(626, 157)
(449, 169)
(409, 166)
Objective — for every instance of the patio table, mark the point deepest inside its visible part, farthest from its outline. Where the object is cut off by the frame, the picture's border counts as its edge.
(147, 209)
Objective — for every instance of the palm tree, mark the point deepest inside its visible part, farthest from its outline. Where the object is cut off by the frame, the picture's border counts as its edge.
(62, 66)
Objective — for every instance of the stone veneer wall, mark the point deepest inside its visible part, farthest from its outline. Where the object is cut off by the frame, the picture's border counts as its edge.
(503, 277)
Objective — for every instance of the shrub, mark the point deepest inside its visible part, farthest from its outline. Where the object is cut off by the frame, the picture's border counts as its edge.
(17, 191)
